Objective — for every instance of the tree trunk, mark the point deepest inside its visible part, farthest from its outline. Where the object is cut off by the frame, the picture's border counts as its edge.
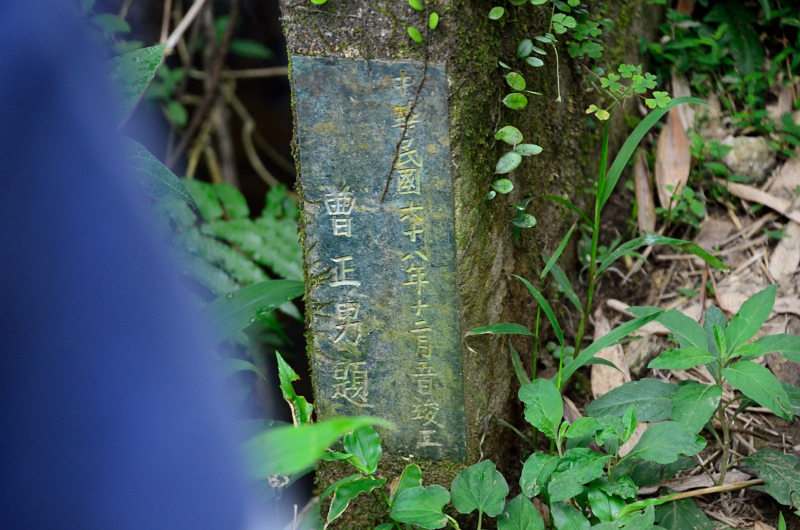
(467, 46)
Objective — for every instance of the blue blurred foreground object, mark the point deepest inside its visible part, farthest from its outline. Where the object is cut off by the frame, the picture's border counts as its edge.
(112, 414)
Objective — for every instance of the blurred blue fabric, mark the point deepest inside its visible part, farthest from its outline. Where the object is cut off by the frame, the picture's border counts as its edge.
(112, 413)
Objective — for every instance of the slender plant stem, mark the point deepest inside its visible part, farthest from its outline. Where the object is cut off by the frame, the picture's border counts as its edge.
(595, 236)
(480, 518)
(535, 358)
(726, 443)
(453, 522)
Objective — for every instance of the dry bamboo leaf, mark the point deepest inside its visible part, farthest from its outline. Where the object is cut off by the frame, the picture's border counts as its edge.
(782, 106)
(786, 256)
(646, 214)
(680, 89)
(673, 160)
(605, 378)
(695, 482)
(750, 193)
(787, 180)
(762, 526)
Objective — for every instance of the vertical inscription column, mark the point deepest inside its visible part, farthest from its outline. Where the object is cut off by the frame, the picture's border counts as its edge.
(379, 247)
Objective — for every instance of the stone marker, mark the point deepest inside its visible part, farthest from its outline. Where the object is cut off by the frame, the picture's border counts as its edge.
(374, 149)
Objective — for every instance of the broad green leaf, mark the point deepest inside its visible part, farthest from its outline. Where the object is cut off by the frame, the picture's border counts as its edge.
(621, 487)
(421, 506)
(664, 442)
(645, 473)
(694, 404)
(603, 342)
(780, 473)
(714, 316)
(479, 487)
(508, 162)
(524, 48)
(683, 513)
(686, 330)
(502, 329)
(156, 179)
(656, 239)
(748, 352)
(410, 478)
(133, 72)
(545, 307)
(287, 450)
(682, 359)
(535, 473)
(581, 427)
(349, 491)
(515, 81)
(633, 520)
(496, 12)
(651, 397)
(528, 149)
(554, 258)
(604, 506)
(518, 368)
(567, 517)
(787, 345)
(237, 310)
(646, 503)
(414, 33)
(240, 365)
(302, 409)
(758, 383)
(543, 405)
(519, 514)
(563, 282)
(365, 444)
(577, 467)
(515, 101)
(751, 316)
(630, 145)
(338, 483)
(794, 396)
(503, 186)
(509, 134)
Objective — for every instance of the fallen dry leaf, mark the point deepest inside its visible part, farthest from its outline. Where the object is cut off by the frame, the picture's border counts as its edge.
(786, 256)
(605, 378)
(695, 481)
(680, 89)
(750, 193)
(782, 106)
(646, 213)
(762, 526)
(673, 160)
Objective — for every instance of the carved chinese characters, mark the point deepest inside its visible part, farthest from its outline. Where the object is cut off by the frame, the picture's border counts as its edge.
(379, 248)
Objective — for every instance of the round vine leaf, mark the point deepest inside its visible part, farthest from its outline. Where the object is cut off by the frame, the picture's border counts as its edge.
(480, 487)
(515, 81)
(503, 186)
(416, 4)
(496, 13)
(421, 506)
(433, 20)
(414, 33)
(509, 134)
(491, 195)
(528, 149)
(508, 162)
(515, 101)
(534, 61)
(524, 48)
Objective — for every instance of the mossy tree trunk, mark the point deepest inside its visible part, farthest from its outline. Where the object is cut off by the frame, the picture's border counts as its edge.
(469, 44)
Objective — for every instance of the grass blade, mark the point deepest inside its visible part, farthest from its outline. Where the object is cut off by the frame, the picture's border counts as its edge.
(545, 307)
(559, 250)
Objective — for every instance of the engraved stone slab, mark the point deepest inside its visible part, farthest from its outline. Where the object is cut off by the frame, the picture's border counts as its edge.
(380, 249)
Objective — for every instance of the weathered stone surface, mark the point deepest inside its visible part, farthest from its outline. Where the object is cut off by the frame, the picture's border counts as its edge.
(750, 156)
(378, 210)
